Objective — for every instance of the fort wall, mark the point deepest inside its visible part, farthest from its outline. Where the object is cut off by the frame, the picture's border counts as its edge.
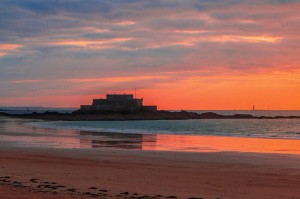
(118, 103)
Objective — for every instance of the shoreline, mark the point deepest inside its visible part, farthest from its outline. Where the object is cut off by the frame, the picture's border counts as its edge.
(150, 173)
(125, 116)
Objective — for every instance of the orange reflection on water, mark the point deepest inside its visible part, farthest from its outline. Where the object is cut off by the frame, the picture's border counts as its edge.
(219, 143)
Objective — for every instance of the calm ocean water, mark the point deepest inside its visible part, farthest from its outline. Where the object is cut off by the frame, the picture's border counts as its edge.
(267, 128)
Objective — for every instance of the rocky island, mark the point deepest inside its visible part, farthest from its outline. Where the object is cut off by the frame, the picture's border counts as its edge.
(126, 107)
(143, 115)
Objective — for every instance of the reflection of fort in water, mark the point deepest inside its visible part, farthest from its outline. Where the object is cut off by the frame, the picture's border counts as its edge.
(117, 140)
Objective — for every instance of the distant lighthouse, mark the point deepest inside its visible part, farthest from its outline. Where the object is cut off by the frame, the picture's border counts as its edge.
(253, 108)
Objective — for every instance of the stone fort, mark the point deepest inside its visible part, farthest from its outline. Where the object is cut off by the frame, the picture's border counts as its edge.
(117, 103)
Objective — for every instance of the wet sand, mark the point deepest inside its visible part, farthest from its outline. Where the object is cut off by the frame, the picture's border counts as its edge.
(112, 173)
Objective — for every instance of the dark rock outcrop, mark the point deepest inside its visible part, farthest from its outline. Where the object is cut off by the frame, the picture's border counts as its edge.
(158, 115)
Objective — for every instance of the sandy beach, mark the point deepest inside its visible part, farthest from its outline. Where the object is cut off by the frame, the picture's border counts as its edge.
(113, 173)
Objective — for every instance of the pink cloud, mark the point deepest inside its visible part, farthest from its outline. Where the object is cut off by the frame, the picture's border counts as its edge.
(5, 49)
(25, 81)
(93, 44)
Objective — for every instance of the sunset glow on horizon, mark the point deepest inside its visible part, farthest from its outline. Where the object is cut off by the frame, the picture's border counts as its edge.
(190, 55)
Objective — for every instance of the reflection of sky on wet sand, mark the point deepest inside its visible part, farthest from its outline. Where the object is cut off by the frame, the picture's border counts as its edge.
(219, 143)
(14, 133)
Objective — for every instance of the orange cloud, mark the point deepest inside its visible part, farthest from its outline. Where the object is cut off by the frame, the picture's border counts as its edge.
(192, 31)
(25, 81)
(125, 23)
(193, 40)
(250, 39)
(2, 54)
(96, 30)
(90, 43)
(114, 79)
(233, 38)
(6, 48)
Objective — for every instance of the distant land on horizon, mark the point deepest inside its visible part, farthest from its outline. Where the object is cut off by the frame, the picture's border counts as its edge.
(5, 108)
(54, 107)
(32, 109)
(80, 115)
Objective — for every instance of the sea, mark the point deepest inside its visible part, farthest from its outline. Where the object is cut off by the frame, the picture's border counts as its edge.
(182, 135)
(267, 128)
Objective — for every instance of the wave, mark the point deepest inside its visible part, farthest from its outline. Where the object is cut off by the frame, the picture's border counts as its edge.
(54, 125)
(240, 128)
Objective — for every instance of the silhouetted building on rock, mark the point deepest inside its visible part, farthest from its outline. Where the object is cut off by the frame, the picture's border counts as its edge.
(117, 103)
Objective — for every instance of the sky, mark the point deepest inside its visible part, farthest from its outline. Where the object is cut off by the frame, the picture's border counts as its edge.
(177, 54)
